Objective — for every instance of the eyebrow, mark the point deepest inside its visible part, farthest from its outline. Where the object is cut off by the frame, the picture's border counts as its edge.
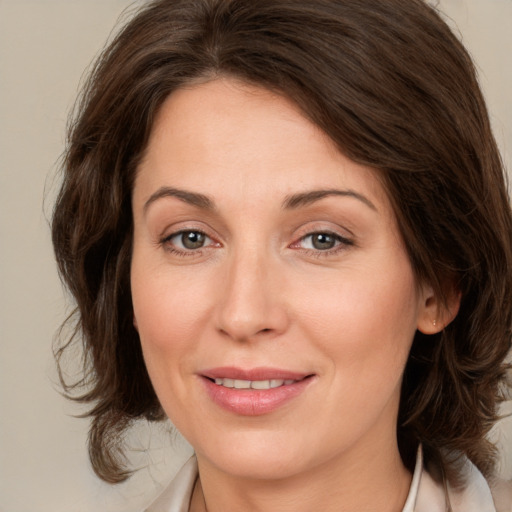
(306, 198)
(291, 202)
(192, 198)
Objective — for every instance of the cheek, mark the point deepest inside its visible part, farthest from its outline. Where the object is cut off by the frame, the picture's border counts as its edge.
(172, 308)
(367, 325)
(166, 326)
(168, 308)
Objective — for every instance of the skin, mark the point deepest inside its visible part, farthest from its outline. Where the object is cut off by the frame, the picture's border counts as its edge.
(260, 293)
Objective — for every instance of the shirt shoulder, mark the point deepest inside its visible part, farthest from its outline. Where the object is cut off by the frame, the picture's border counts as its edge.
(476, 496)
(176, 497)
(429, 495)
(502, 494)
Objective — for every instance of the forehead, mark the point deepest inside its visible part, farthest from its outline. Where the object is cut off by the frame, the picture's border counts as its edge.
(226, 135)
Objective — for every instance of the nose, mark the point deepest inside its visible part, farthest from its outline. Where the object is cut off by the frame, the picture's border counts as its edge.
(252, 304)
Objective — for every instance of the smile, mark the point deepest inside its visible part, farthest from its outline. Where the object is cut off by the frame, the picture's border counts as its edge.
(254, 384)
(253, 392)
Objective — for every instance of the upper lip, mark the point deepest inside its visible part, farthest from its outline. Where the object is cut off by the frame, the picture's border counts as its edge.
(261, 373)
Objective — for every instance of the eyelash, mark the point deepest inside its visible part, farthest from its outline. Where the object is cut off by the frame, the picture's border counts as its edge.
(342, 243)
(168, 246)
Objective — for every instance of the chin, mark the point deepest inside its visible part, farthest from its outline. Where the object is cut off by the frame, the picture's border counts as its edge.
(260, 456)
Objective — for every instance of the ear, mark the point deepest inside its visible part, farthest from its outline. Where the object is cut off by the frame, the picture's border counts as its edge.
(435, 314)
(135, 323)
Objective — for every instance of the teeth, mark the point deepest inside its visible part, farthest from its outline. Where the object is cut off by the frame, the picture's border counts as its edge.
(242, 384)
(253, 384)
(260, 384)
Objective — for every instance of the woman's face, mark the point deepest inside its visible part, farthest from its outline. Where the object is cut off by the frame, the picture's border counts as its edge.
(266, 260)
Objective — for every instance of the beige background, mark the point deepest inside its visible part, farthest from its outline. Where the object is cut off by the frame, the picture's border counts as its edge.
(44, 47)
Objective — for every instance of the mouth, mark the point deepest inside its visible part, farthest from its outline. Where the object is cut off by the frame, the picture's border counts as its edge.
(253, 384)
(254, 392)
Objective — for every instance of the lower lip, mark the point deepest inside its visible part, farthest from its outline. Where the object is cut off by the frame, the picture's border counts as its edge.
(254, 402)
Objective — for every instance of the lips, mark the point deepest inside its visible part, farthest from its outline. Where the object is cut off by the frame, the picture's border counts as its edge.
(253, 392)
(253, 384)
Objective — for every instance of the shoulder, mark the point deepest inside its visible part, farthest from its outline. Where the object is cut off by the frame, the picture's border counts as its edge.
(176, 497)
(476, 496)
(502, 493)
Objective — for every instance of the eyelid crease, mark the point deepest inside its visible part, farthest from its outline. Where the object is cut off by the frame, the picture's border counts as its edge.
(342, 242)
(340, 238)
(183, 226)
(343, 245)
(326, 254)
(168, 237)
(164, 242)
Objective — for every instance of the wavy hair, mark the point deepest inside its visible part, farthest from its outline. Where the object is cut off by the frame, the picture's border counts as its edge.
(391, 85)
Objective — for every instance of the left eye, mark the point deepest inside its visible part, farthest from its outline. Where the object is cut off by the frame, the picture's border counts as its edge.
(321, 241)
(189, 240)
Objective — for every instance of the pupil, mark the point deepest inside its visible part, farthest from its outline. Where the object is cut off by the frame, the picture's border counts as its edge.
(323, 241)
(192, 240)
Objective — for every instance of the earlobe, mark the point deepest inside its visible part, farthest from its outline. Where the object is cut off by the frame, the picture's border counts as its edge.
(436, 314)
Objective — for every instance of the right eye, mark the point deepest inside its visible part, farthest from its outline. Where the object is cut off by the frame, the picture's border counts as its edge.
(187, 240)
(322, 241)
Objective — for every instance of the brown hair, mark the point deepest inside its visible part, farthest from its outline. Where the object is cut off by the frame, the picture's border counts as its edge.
(395, 90)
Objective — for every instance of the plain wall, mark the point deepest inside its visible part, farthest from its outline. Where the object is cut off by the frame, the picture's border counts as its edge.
(45, 45)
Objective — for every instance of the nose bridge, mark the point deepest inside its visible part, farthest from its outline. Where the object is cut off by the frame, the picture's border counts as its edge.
(251, 302)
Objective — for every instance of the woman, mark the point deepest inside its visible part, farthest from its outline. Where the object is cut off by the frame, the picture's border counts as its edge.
(286, 228)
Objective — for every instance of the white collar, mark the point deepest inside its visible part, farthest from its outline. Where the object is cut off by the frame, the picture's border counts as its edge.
(425, 495)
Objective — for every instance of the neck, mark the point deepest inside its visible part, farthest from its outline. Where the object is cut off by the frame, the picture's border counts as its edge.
(374, 481)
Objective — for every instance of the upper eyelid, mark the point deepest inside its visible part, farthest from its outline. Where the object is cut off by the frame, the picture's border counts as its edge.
(166, 245)
(168, 237)
(174, 230)
(311, 228)
(181, 231)
(340, 238)
(326, 232)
